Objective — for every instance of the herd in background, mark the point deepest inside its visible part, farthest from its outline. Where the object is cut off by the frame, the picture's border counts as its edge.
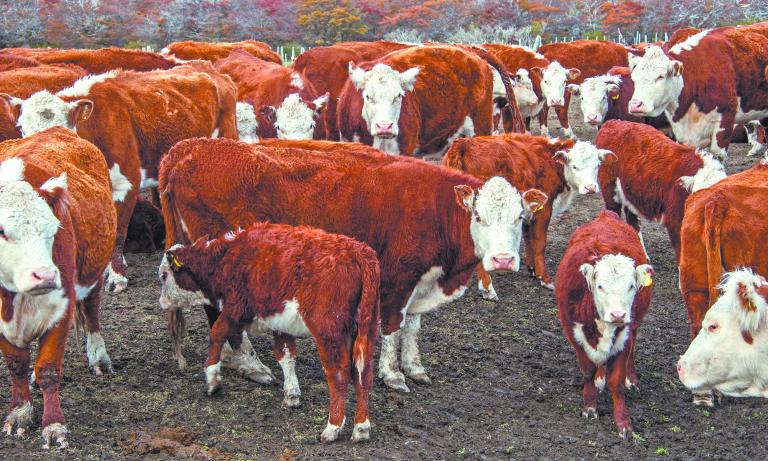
(309, 226)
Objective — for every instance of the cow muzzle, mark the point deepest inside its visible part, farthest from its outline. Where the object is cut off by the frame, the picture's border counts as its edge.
(504, 262)
(592, 119)
(384, 129)
(589, 189)
(43, 280)
(618, 317)
(637, 107)
(555, 103)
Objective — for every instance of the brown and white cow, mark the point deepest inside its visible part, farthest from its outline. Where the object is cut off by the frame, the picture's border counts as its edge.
(57, 230)
(723, 230)
(705, 84)
(560, 169)
(418, 100)
(134, 118)
(98, 61)
(327, 67)
(191, 50)
(730, 352)
(300, 282)
(651, 176)
(429, 244)
(603, 291)
(285, 104)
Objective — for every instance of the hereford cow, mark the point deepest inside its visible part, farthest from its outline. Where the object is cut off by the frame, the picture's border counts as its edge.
(301, 282)
(393, 103)
(590, 58)
(57, 230)
(285, 103)
(327, 67)
(155, 110)
(722, 231)
(705, 84)
(560, 169)
(98, 61)
(429, 245)
(603, 291)
(191, 50)
(728, 354)
(651, 175)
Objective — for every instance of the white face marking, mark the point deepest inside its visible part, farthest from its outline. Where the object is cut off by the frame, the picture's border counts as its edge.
(41, 111)
(606, 346)
(172, 296)
(247, 123)
(581, 165)
(288, 321)
(711, 172)
(553, 84)
(594, 94)
(383, 89)
(28, 229)
(720, 357)
(295, 120)
(526, 98)
(120, 184)
(614, 281)
(33, 316)
(658, 82)
(427, 294)
(146, 183)
(689, 43)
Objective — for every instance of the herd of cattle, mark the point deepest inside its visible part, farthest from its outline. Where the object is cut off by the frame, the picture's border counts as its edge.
(285, 211)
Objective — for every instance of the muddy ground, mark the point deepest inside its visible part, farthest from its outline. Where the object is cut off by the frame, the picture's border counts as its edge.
(505, 384)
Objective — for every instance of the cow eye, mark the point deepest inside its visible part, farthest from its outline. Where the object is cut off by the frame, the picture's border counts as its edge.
(479, 220)
(164, 276)
(659, 78)
(367, 97)
(599, 287)
(2, 234)
(713, 327)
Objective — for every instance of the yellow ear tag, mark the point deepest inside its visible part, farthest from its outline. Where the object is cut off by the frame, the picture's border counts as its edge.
(616, 96)
(750, 306)
(175, 261)
(541, 207)
(647, 280)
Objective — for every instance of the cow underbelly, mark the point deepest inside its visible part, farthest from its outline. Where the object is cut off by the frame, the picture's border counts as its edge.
(696, 128)
(428, 295)
(32, 316)
(743, 117)
(288, 321)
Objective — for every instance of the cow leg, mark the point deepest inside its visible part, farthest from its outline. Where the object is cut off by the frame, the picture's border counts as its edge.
(562, 116)
(722, 138)
(543, 114)
(537, 234)
(753, 134)
(96, 350)
(411, 357)
(362, 375)
(600, 378)
(223, 329)
(116, 279)
(616, 378)
(630, 381)
(485, 284)
(284, 348)
(20, 415)
(335, 356)
(389, 369)
(48, 374)
(528, 259)
(245, 361)
(589, 392)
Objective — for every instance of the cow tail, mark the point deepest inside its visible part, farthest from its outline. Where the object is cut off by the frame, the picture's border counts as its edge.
(367, 321)
(518, 122)
(454, 158)
(714, 215)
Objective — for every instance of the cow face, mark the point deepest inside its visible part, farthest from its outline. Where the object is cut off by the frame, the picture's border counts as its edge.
(383, 90)
(614, 280)
(581, 164)
(524, 95)
(595, 95)
(43, 110)
(711, 172)
(729, 352)
(658, 82)
(179, 288)
(27, 230)
(296, 118)
(247, 125)
(553, 80)
(496, 226)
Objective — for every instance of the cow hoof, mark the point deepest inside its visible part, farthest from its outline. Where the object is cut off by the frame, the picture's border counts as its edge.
(625, 432)
(589, 413)
(21, 418)
(33, 380)
(261, 376)
(292, 401)
(396, 382)
(631, 385)
(489, 295)
(362, 431)
(420, 377)
(213, 378)
(117, 285)
(57, 433)
(547, 285)
(330, 433)
(703, 399)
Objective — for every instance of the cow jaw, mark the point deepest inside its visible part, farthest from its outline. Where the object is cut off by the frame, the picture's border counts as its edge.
(41, 111)
(295, 120)
(729, 353)
(614, 281)
(383, 89)
(658, 83)
(580, 166)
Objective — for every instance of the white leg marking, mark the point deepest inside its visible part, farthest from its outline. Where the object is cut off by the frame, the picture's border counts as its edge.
(213, 377)
(115, 282)
(490, 293)
(389, 370)
(246, 362)
(20, 417)
(291, 390)
(411, 358)
(96, 350)
(362, 431)
(331, 431)
(55, 432)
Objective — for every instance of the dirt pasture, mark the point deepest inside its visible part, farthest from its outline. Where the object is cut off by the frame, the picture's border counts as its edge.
(505, 384)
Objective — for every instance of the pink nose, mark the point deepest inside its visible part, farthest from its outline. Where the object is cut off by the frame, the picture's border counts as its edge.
(591, 118)
(680, 370)
(44, 278)
(556, 102)
(590, 188)
(383, 127)
(618, 316)
(503, 262)
(636, 106)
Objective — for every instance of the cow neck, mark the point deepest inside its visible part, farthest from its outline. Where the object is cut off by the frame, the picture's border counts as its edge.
(203, 261)
(6, 297)
(457, 249)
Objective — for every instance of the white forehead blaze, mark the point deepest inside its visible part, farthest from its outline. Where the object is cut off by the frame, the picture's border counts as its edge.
(614, 281)
(383, 89)
(582, 166)
(658, 81)
(524, 94)
(496, 225)
(553, 81)
(710, 173)
(294, 119)
(594, 94)
(41, 111)
(172, 296)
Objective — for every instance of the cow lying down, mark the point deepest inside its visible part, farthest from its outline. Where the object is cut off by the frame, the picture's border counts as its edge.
(295, 282)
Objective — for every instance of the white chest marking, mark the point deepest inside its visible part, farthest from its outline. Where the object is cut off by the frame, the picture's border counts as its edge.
(388, 145)
(623, 201)
(427, 295)
(288, 321)
(32, 316)
(82, 292)
(696, 128)
(563, 201)
(606, 346)
(146, 182)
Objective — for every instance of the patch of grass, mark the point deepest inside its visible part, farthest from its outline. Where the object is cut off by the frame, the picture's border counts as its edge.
(638, 438)
(462, 452)
(675, 429)
(705, 413)
(661, 451)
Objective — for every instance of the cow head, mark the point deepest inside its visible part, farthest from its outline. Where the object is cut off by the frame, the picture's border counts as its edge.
(711, 172)
(581, 164)
(553, 80)
(247, 125)
(179, 286)
(658, 82)
(595, 94)
(498, 210)
(383, 89)
(28, 227)
(524, 95)
(296, 118)
(43, 110)
(614, 280)
(729, 352)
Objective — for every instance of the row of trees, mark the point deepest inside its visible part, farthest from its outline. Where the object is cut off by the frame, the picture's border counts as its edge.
(97, 23)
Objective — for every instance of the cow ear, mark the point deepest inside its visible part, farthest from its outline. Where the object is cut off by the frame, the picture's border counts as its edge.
(465, 197)
(11, 100)
(573, 73)
(173, 260)
(321, 102)
(534, 200)
(81, 109)
(603, 153)
(408, 78)
(614, 91)
(573, 88)
(357, 76)
(645, 275)
(538, 71)
(753, 304)
(11, 170)
(269, 113)
(588, 271)
(54, 191)
(676, 68)
(561, 157)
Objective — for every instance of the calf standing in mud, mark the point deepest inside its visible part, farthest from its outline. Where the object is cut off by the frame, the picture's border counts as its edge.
(296, 282)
